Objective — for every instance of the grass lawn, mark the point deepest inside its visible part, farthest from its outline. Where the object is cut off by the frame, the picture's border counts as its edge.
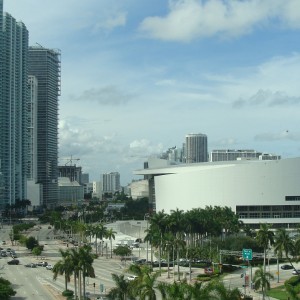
(278, 293)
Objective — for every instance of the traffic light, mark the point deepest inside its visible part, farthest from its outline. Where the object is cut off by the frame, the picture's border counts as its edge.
(94, 284)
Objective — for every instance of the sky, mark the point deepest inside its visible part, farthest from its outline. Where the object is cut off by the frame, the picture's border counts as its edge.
(138, 75)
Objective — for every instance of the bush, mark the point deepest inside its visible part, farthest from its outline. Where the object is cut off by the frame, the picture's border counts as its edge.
(68, 293)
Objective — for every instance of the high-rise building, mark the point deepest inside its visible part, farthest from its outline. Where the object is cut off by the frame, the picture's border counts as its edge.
(196, 148)
(44, 64)
(13, 118)
(111, 182)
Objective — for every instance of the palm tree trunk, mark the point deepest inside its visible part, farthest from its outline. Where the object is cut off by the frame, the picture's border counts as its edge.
(66, 282)
(80, 287)
(178, 269)
(75, 285)
(83, 282)
(96, 245)
(110, 248)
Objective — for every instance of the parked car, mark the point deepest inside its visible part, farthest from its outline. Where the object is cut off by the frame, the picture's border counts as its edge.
(13, 262)
(31, 265)
(286, 267)
(296, 272)
(42, 264)
(49, 267)
(132, 277)
(3, 254)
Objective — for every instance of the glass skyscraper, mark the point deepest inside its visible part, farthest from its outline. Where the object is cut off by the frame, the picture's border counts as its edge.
(13, 119)
(44, 64)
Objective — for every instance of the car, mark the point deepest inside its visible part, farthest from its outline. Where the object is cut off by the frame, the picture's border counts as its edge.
(42, 264)
(296, 272)
(14, 255)
(13, 262)
(208, 271)
(286, 267)
(132, 277)
(49, 267)
(3, 254)
(31, 265)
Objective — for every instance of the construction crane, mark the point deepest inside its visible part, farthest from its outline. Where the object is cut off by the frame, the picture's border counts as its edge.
(70, 161)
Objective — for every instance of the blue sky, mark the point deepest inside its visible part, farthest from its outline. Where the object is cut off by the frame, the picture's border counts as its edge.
(138, 75)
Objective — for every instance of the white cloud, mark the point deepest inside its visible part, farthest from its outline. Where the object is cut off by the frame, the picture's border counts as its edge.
(118, 19)
(191, 19)
(107, 95)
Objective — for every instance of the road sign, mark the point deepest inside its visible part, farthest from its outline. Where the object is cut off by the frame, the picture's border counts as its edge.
(247, 254)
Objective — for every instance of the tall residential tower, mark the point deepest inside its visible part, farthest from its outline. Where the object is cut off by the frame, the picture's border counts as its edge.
(196, 148)
(44, 64)
(13, 99)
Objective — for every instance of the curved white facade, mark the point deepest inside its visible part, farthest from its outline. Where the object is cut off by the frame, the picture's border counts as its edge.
(258, 191)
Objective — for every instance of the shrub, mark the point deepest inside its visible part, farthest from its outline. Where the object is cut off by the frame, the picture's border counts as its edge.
(68, 293)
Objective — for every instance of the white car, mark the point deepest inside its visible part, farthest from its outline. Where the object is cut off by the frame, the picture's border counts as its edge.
(49, 267)
(132, 277)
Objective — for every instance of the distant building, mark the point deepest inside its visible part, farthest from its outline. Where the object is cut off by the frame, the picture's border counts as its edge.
(196, 148)
(85, 178)
(111, 182)
(70, 192)
(72, 172)
(139, 189)
(229, 155)
(97, 189)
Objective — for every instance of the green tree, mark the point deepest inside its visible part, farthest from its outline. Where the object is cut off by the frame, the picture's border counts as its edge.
(85, 263)
(37, 251)
(100, 232)
(6, 290)
(225, 293)
(31, 242)
(265, 237)
(110, 234)
(65, 267)
(123, 289)
(261, 280)
(283, 244)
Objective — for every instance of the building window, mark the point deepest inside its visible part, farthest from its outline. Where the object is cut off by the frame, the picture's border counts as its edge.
(254, 216)
(243, 216)
(287, 215)
(292, 198)
(254, 208)
(266, 215)
(276, 215)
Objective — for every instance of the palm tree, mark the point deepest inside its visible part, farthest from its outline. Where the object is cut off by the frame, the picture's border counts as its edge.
(283, 244)
(148, 286)
(225, 293)
(265, 237)
(110, 234)
(159, 222)
(99, 232)
(261, 280)
(76, 269)
(85, 263)
(123, 289)
(64, 266)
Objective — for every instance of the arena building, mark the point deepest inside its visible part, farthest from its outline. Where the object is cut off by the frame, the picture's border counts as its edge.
(259, 191)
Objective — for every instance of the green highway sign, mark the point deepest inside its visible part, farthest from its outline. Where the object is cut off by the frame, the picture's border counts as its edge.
(247, 254)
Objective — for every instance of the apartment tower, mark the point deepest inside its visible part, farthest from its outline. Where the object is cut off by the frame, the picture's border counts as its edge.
(44, 65)
(13, 99)
(196, 148)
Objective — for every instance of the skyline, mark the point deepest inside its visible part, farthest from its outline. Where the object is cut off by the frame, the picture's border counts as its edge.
(136, 80)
